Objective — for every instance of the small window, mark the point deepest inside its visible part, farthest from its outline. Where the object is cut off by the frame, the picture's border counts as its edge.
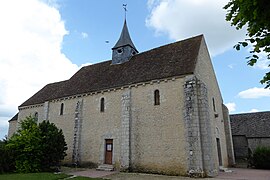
(102, 105)
(36, 116)
(214, 105)
(62, 109)
(157, 97)
(119, 51)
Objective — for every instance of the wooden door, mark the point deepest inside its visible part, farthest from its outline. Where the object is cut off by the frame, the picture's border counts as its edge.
(108, 151)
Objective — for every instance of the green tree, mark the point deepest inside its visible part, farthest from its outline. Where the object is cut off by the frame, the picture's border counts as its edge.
(37, 147)
(53, 145)
(255, 14)
(7, 162)
(26, 145)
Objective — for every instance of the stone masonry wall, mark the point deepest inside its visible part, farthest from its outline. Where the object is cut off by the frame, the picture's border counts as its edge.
(98, 126)
(199, 135)
(125, 130)
(206, 130)
(228, 134)
(192, 124)
(12, 128)
(157, 131)
(204, 71)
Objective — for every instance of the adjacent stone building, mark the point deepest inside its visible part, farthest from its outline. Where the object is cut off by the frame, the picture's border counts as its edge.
(157, 111)
(250, 130)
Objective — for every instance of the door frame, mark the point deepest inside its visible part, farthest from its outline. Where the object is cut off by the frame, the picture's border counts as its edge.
(108, 151)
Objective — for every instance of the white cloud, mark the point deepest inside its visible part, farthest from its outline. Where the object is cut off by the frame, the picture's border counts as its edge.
(85, 64)
(84, 35)
(231, 106)
(263, 64)
(31, 36)
(180, 19)
(254, 110)
(231, 66)
(254, 93)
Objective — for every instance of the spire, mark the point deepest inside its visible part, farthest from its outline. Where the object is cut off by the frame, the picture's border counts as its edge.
(124, 49)
(124, 39)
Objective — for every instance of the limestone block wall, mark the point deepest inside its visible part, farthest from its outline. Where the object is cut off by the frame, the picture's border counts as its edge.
(30, 111)
(229, 141)
(204, 71)
(253, 143)
(98, 126)
(125, 129)
(198, 129)
(158, 142)
(65, 121)
(12, 128)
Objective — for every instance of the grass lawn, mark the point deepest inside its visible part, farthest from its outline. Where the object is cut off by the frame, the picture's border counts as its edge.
(40, 176)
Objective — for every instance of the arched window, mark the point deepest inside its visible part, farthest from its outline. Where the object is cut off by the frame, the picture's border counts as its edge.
(36, 116)
(157, 97)
(62, 109)
(102, 105)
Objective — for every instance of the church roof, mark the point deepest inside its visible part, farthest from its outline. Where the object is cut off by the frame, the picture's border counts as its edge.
(167, 61)
(124, 39)
(14, 118)
(251, 124)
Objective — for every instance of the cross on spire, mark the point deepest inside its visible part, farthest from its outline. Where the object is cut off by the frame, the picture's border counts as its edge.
(125, 9)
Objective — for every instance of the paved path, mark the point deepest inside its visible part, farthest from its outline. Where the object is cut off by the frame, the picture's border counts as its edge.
(245, 174)
(237, 174)
(93, 173)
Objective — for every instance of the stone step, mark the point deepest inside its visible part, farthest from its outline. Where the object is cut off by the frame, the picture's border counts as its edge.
(105, 167)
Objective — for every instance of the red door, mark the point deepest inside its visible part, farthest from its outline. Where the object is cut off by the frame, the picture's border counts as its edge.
(108, 151)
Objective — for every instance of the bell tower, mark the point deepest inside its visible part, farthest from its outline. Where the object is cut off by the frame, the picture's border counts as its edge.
(124, 49)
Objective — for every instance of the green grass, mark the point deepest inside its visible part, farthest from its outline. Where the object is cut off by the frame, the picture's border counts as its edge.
(40, 176)
(33, 176)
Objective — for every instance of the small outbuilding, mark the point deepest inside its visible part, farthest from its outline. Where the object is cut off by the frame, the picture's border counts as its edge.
(250, 130)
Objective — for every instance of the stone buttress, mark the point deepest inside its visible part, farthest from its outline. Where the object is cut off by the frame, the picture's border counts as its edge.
(125, 130)
(198, 134)
(76, 154)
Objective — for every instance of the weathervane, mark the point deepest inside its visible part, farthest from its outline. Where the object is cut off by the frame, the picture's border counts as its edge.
(125, 8)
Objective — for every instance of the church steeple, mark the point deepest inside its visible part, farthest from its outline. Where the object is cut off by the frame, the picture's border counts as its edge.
(124, 48)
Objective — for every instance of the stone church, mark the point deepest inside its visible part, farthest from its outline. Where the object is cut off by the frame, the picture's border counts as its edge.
(158, 111)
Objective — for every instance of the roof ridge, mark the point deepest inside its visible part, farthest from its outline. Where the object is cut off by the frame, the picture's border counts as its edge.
(249, 113)
(176, 42)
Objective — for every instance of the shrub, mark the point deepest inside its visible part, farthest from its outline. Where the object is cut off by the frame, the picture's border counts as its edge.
(7, 162)
(37, 147)
(261, 158)
(26, 145)
(53, 145)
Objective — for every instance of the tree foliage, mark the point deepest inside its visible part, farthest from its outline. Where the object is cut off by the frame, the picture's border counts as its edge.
(26, 145)
(7, 162)
(37, 147)
(255, 14)
(53, 145)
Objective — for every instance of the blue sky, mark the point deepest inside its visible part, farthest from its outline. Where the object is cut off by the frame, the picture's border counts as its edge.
(45, 41)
